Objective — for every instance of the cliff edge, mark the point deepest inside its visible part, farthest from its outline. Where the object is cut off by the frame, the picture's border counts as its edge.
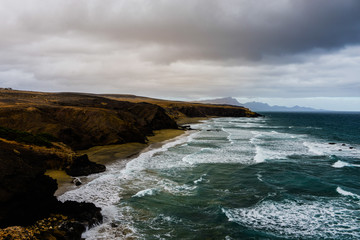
(40, 131)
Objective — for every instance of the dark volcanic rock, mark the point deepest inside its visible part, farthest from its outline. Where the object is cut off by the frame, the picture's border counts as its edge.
(71, 230)
(77, 181)
(26, 194)
(82, 166)
(185, 127)
(56, 226)
(85, 213)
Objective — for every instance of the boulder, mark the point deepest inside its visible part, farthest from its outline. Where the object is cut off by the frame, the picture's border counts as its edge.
(85, 213)
(82, 166)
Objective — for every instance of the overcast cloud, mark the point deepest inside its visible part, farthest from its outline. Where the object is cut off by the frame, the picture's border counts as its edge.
(187, 49)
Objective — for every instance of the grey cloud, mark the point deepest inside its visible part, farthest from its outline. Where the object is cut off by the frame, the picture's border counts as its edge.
(202, 29)
(183, 49)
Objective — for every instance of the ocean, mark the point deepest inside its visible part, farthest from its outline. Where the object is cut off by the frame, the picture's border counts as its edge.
(281, 176)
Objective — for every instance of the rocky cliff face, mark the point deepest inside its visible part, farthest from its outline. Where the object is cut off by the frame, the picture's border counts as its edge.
(73, 121)
(203, 110)
(27, 195)
(82, 121)
(178, 109)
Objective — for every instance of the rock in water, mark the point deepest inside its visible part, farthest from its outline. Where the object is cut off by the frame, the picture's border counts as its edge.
(76, 181)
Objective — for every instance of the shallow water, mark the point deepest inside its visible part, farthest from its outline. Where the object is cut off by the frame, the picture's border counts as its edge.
(275, 177)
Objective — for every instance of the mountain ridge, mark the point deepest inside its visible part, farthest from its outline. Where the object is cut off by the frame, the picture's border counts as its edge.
(260, 106)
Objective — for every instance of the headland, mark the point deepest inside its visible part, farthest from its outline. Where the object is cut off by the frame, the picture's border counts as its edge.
(76, 134)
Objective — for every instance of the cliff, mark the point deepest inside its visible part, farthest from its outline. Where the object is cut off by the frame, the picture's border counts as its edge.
(82, 121)
(79, 120)
(178, 109)
(27, 195)
(40, 131)
(208, 110)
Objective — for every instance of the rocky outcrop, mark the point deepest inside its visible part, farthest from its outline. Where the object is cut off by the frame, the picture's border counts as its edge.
(82, 166)
(57, 226)
(84, 213)
(27, 195)
(58, 156)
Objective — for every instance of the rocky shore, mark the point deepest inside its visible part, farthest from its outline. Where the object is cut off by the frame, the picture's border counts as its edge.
(42, 131)
(27, 195)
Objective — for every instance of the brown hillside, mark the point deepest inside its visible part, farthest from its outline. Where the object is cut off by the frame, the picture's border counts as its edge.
(81, 120)
(179, 109)
(85, 120)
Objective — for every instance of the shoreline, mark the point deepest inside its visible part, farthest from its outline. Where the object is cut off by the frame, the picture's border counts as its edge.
(44, 133)
(109, 154)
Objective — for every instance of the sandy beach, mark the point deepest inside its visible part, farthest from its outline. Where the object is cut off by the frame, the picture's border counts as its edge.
(110, 153)
(120, 152)
(107, 154)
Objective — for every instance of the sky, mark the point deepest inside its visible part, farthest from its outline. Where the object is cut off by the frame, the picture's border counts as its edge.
(284, 52)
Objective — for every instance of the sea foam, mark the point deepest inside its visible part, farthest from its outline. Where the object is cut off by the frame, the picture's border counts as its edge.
(201, 179)
(341, 164)
(259, 155)
(146, 192)
(313, 148)
(347, 193)
(300, 219)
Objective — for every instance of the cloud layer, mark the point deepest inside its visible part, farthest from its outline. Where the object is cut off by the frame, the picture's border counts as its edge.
(183, 49)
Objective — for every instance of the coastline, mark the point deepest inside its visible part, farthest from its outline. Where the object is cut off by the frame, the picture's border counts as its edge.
(42, 131)
(120, 152)
(191, 120)
(110, 153)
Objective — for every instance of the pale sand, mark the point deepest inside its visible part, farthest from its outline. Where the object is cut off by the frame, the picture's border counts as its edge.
(64, 181)
(107, 154)
(189, 120)
(110, 153)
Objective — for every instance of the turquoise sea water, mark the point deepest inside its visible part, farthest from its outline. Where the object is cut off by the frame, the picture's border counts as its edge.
(283, 176)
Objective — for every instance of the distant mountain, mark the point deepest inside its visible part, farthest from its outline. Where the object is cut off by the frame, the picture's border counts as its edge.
(264, 107)
(222, 101)
(259, 106)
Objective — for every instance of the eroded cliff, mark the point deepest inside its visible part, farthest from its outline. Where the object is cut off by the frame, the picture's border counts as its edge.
(81, 121)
